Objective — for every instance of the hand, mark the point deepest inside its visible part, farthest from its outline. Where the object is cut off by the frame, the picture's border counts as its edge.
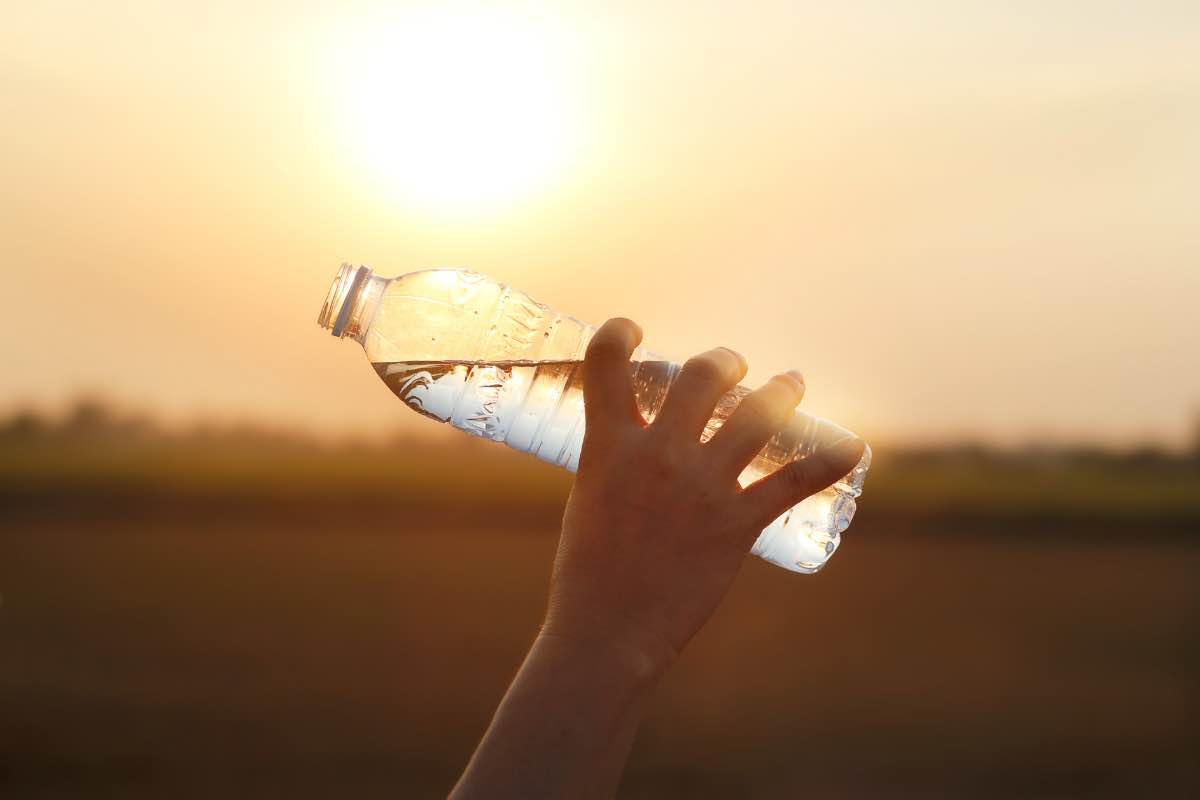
(657, 526)
(655, 531)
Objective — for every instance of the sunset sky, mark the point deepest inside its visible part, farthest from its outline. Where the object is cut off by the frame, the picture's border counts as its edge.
(971, 219)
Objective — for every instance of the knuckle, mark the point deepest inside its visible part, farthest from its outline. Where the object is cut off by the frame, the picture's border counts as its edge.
(710, 502)
(798, 478)
(666, 463)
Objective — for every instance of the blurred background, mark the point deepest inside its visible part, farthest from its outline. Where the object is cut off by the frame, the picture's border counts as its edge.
(232, 564)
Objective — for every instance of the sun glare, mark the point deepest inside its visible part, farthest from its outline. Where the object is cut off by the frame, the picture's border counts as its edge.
(458, 112)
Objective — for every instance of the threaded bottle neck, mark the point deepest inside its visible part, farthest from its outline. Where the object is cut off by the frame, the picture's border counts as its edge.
(350, 302)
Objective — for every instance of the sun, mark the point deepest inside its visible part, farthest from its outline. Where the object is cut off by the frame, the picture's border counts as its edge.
(457, 112)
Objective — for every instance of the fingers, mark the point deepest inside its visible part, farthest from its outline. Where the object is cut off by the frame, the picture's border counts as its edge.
(607, 385)
(787, 486)
(761, 415)
(695, 392)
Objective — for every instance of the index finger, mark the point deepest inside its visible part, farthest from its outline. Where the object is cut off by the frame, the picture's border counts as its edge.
(608, 398)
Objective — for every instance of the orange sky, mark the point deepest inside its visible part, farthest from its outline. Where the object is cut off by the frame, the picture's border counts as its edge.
(974, 219)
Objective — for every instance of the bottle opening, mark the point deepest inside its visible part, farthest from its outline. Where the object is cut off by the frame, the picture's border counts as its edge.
(342, 299)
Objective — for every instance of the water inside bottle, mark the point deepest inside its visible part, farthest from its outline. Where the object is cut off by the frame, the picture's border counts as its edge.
(537, 406)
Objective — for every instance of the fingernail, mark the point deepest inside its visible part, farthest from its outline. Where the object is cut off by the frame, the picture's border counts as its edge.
(845, 451)
(797, 381)
(741, 358)
(635, 332)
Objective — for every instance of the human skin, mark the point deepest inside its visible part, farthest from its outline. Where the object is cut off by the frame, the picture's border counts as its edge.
(655, 531)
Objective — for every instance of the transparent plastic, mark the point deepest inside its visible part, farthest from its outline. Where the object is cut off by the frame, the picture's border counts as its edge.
(461, 348)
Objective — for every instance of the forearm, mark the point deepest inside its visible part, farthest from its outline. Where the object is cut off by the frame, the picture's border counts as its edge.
(565, 726)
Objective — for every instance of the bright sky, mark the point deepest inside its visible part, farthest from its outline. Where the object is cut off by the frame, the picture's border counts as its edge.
(959, 219)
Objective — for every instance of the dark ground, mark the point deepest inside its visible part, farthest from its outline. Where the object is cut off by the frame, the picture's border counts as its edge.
(206, 644)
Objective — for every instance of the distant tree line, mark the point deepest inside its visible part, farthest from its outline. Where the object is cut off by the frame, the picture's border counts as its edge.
(92, 420)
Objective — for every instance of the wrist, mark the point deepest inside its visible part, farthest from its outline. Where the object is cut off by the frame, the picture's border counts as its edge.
(637, 662)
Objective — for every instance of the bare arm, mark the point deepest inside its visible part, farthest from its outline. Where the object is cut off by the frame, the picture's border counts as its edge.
(654, 533)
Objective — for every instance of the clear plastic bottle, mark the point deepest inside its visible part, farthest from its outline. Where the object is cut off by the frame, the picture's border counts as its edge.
(461, 348)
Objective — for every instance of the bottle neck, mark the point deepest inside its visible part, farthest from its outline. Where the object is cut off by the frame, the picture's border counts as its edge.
(351, 302)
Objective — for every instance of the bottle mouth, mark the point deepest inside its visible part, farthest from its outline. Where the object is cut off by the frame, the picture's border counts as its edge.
(340, 301)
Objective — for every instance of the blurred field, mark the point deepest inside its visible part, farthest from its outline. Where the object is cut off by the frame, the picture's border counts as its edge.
(231, 614)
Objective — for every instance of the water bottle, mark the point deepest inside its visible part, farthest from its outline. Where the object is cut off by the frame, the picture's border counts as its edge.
(461, 348)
